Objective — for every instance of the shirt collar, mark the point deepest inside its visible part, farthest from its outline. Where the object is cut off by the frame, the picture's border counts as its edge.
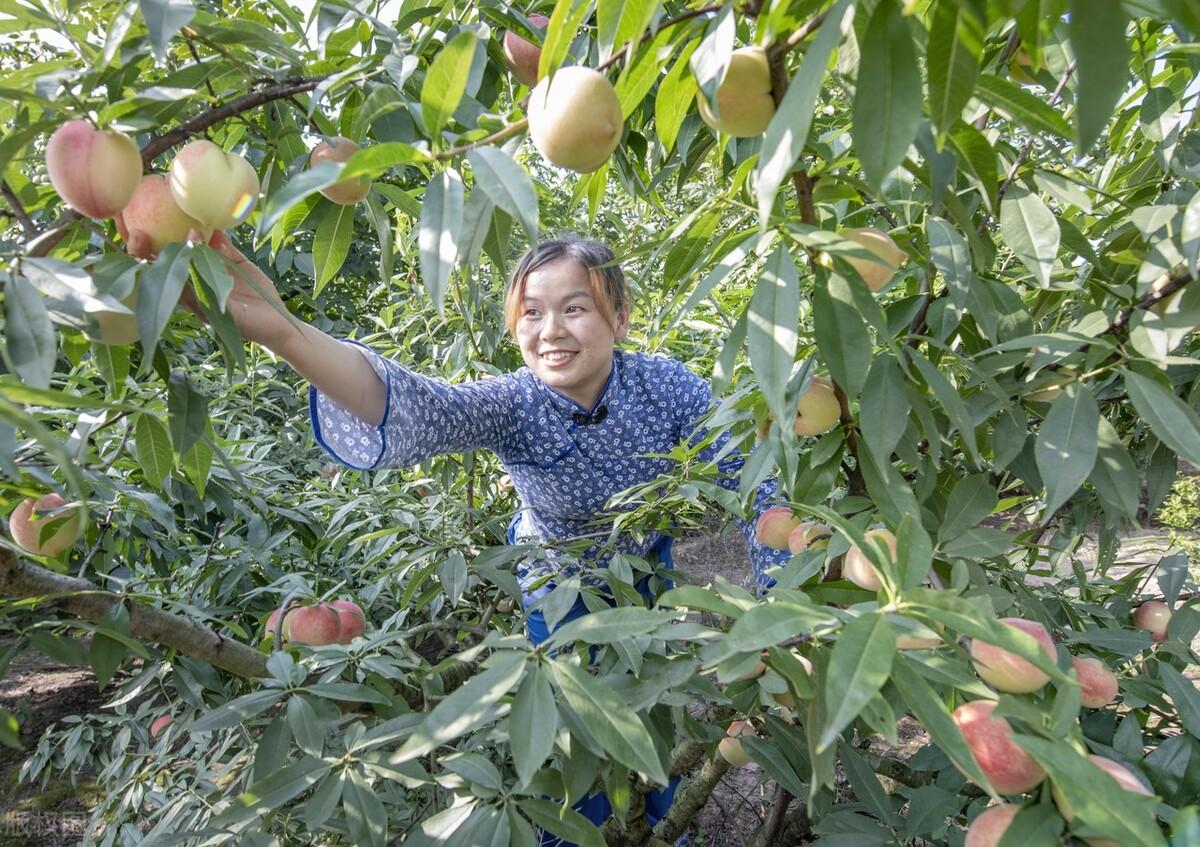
(608, 394)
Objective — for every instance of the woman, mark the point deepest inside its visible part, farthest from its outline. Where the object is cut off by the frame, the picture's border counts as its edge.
(581, 422)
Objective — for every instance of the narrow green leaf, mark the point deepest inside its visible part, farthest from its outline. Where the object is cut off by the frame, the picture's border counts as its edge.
(772, 318)
(164, 19)
(446, 81)
(272, 793)
(365, 814)
(564, 25)
(674, 99)
(887, 97)
(884, 406)
(611, 722)
(972, 499)
(842, 335)
(331, 244)
(152, 446)
(621, 21)
(187, 409)
(29, 335)
(158, 293)
(1024, 107)
(1067, 445)
(788, 131)
(952, 257)
(609, 625)
(236, 711)
(1097, 32)
(1115, 475)
(1184, 695)
(563, 822)
(507, 185)
(859, 665)
(978, 159)
(441, 225)
(952, 54)
(532, 724)
(1172, 420)
(1031, 231)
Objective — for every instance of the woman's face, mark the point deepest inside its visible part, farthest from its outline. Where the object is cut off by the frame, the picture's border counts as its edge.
(562, 333)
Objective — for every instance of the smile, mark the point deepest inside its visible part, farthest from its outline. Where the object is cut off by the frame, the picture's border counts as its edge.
(557, 357)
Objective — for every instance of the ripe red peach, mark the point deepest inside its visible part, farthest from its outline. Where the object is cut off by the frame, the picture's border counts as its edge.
(351, 618)
(153, 219)
(94, 171)
(1007, 671)
(522, 56)
(159, 724)
(26, 527)
(774, 526)
(1098, 682)
(858, 568)
(990, 825)
(346, 192)
(1007, 767)
(1153, 616)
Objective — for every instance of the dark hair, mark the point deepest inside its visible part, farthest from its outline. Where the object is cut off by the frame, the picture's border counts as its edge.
(607, 279)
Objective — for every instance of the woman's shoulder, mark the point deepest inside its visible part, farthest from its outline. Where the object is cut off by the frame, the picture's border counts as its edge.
(659, 373)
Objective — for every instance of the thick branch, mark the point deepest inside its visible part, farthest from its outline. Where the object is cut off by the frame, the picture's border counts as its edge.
(690, 799)
(84, 599)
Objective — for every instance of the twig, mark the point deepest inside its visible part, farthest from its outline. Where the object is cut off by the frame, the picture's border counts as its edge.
(18, 210)
(678, 19)
(769, 834)
(798, 36)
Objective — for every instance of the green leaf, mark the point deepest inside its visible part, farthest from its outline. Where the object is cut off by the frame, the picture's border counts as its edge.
(105, 657)
(331, 244)
(887, 97)
(772, 317)
(1031, 231)
(952, 54)
(306, 183)
(214, 269)
(158, 293)
(609, 625)
(1100, 806)
(563, 822)
(1022, 106)
(947, 394)
(1184, 695)
(859, 665)
(788, 131)
(616, 727)
(972, 499)
(465, 709)
(1097, 32)
(306, 727)
(446, 81)
(532, 724)
(452, 575)
(931, 711)
(767, 624)
(365, 814)
(842, 335)
(441, 225)
(674, 99)
(1172, 420)
(196, 464)
(978, 159)
(884, 406)
(620, 21)
(270, 794)
(952, 257)
(1115, 475)
(564, 24)
(236, 711)
(164, 19)
(152, 446)
(507, 185)
(187, 409)
(29, 335)
(1067, 445)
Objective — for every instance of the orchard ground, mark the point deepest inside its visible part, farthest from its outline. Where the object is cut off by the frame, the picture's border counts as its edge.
(41, 691)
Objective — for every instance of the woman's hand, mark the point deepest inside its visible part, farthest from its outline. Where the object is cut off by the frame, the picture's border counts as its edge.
(254, 304)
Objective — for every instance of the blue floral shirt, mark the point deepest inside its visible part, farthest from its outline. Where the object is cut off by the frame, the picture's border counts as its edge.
(564, 471)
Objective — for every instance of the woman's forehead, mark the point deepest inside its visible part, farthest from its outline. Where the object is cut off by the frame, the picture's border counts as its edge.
(560, 278)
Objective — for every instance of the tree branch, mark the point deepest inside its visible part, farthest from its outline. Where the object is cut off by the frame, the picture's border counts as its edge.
(689, 799)
(18, 210)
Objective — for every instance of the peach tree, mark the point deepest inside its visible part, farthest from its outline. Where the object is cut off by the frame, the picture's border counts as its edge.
(936, 258)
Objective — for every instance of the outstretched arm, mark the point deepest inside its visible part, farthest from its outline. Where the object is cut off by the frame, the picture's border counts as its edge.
(335, 369)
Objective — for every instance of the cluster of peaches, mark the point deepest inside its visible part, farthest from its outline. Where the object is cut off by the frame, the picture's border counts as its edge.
(1007, 766)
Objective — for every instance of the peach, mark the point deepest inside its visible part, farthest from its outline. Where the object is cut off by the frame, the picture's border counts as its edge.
(347, 192)
(351, 618)
(160, 723)
(27, 527)
(858, 568)
(522, 56)
(786, 698)
(153, 219)
(217, 188)
(730, 747)
(877, 272)
(1007, 767)
(94, 171)
(990, 825)
(1006, 671)
(1124, 777)
(313, 625)
(1099, 684)
(744, 97)
(575, 118)
(808, 535)
(774, 526)
(817, 410)
(1153, 616)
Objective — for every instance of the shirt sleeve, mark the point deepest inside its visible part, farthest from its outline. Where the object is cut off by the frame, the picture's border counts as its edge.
(423, 417)
(694, 399)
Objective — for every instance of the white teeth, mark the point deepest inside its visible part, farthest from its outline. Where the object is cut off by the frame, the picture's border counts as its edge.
(557, 357)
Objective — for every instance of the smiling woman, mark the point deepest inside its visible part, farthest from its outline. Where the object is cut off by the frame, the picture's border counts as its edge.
(580, 423)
